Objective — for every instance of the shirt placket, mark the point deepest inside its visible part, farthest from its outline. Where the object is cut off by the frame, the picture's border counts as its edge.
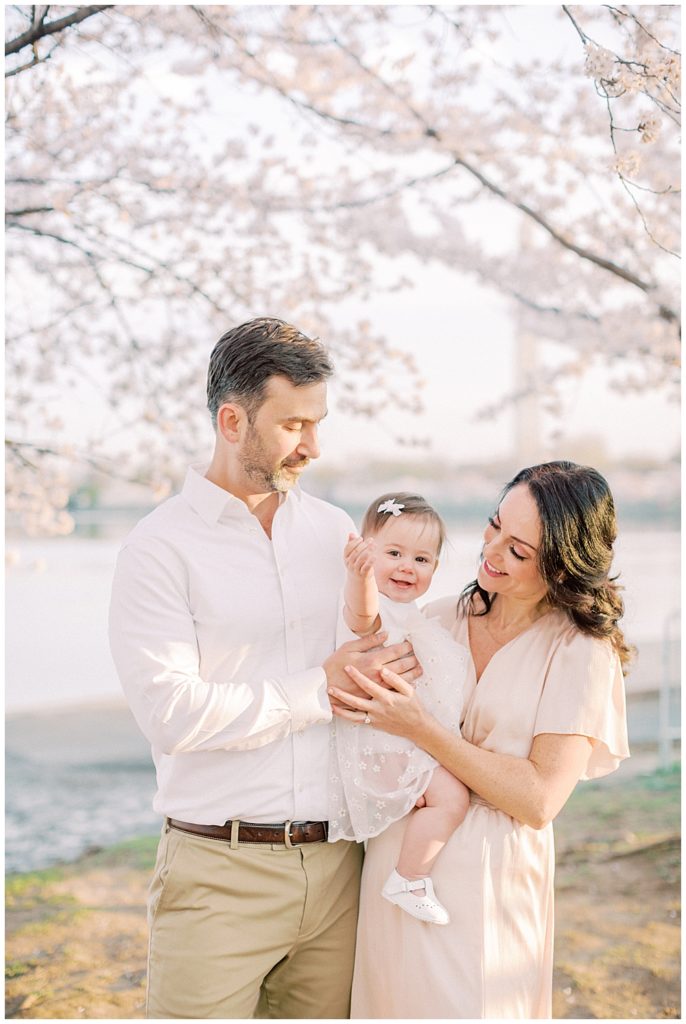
(296, 659)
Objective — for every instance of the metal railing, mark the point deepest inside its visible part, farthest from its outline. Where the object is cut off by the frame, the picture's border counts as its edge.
(669, 681)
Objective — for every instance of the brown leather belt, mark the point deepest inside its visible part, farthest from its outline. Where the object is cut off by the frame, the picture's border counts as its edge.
(291, 833)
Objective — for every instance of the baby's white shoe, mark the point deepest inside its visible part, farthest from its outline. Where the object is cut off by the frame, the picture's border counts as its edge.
(401, 891)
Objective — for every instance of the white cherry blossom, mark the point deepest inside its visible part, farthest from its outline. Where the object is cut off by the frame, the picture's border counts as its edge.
(172, 169)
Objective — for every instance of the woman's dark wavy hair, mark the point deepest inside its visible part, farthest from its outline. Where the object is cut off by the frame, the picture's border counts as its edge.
(578, 529)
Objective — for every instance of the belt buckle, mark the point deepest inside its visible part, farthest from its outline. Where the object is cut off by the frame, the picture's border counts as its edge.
(288, 841)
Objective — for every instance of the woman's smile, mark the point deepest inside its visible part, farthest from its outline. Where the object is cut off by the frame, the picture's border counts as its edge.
(490, 570)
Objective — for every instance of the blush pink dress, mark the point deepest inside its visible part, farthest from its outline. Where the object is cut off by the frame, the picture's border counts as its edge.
(495, 875)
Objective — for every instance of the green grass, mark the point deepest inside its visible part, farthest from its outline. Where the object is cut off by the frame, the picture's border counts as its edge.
(642, 808)
(139, 854)
(597, 813)
(19, 882)
(17, 968)
(41, 900)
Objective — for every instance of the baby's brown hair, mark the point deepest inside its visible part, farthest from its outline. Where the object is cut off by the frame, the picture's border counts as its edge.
(412, 505)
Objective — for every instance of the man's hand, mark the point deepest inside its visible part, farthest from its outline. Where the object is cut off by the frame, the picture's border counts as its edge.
(368, 656)
(358, 555)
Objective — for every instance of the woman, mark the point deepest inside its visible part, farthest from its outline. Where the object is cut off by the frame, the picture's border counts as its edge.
(544, 708)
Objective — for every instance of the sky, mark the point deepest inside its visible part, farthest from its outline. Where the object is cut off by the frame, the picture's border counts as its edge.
(464, 338)
(463, 334)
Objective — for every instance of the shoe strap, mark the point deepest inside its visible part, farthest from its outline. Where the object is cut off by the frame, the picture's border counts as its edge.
(409, 885)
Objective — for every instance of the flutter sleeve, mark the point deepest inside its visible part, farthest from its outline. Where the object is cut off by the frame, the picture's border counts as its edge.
(584, 695)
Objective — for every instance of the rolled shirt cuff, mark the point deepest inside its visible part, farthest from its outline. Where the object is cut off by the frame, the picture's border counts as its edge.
(307, 698)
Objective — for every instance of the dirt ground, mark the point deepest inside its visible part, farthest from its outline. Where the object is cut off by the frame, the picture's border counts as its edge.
(617, 900)
(76, 934)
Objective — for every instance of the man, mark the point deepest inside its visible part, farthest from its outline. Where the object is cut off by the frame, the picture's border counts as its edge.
(222, 629)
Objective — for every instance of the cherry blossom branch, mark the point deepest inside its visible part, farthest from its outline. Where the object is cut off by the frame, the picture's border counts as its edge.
(581, 251)
(45, 327)
(428, 130)
(51, 28)
(150, 271)
(29, 210)
(86, 184)
(554, 310)
(582, 35)
(617, 13)
(601, 85)
(101, 463)
(265, 78)
(32, 63)
(378, 197)
(75, 245)
(625, 185)
(672, 113)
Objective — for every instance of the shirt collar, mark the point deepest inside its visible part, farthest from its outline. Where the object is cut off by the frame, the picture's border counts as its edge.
(210, 501)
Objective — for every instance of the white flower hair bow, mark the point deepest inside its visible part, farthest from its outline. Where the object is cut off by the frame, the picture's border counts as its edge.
(392, 506)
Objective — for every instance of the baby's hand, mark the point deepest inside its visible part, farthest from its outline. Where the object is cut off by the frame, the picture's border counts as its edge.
(358, 555)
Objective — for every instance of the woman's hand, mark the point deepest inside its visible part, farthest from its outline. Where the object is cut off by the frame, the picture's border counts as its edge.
(392, 707)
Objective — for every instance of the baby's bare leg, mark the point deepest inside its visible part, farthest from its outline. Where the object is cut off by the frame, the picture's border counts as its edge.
(430, 826)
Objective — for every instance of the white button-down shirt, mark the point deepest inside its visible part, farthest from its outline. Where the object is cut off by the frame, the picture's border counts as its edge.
(218, 634)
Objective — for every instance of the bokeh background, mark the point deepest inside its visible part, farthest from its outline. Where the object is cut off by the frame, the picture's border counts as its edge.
(476, 208)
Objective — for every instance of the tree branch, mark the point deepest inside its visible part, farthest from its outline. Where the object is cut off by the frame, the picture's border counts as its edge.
(552, 310)
(31, 64)
(42, 329)
(28, 210)
(81, 248)
(617, 13)
(51, 28)
(266, 79)
(582, 35)
(578, 250)
(112, 254)
(101, 463)
(431, 132)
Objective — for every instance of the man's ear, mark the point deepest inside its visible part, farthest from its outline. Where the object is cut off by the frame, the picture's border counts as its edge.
(231, 421)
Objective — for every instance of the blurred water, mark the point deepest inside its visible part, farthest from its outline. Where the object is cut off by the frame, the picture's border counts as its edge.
(58, 594)
(74, 779)
(78, 776)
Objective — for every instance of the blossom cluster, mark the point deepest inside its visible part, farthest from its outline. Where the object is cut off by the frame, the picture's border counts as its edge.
(38, 494)
(600, 63)
(377, 138)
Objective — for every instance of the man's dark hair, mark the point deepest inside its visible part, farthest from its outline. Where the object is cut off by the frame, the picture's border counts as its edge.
(246, 357)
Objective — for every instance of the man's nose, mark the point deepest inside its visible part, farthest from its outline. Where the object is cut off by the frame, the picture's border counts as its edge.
(309, 444)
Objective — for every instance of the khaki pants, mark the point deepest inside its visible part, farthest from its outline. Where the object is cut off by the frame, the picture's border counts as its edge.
(254, 931)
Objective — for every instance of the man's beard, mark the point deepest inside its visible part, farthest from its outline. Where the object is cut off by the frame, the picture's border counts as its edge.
(255, 464)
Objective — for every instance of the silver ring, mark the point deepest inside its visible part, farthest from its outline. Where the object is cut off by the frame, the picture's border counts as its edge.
(367, 720)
